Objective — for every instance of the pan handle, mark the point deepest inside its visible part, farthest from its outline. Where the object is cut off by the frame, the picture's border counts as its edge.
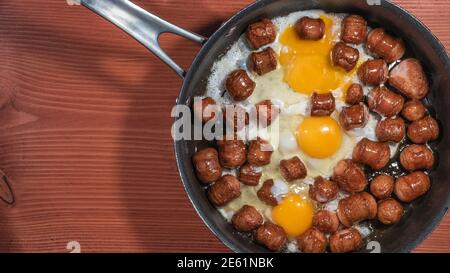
(142, 26)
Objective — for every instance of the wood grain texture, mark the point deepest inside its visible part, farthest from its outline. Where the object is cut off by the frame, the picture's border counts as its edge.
(85, 129)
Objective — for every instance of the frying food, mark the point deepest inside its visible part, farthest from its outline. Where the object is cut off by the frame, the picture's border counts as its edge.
(353, 142)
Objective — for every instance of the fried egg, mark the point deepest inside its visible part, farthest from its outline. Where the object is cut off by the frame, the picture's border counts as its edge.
(320, 142)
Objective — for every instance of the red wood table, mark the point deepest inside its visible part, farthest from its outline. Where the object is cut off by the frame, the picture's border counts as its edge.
(85, 128)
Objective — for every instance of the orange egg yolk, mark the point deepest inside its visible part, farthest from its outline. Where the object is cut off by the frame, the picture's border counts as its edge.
(294, 214)
(319, 137)
(307, 64)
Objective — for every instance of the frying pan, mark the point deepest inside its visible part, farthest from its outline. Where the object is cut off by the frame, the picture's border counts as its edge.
(421, 217)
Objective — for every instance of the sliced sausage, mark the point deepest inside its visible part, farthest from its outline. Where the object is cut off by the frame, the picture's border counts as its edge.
(323, 190)
(355, 208)
(259, 152)
(373, 72)
(261, 33)
(326, 221)
(423, 130)
(266, 112)
(264, 61)
(416, 157)
(207, 166)
(224, 190)
(312, 241)
(310, 28)
(247, 219)
(391, 129)
(385, 46)
(239, 85)
(344, 56)
(250, 175)
(322, 104)
(413, 110)
(411, 186)
(354, 29)
(265, 193)
(292, 169)
(371, 153)
(354, 94)
(384, 101)
(355, 116)
(409, 78)
(382, 186)
(349, 176)
(345, 240)
(232, 152)
(205, 109)
(390, 211)
(271, 236)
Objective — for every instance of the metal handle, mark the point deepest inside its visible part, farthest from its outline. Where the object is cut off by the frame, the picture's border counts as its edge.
(141, 25)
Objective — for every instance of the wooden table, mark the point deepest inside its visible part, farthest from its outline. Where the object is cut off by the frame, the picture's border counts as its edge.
(85, 129)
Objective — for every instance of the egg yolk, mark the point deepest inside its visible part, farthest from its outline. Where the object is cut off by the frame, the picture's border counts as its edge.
(319, 137)
(307, 64)
(294, 214)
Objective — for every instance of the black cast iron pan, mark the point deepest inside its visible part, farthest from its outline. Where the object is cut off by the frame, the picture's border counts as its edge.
(422, 216)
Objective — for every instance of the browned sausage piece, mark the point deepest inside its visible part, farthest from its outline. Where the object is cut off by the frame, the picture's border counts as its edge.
(259, 152)
(205, 109)
(391, 129)
(382, 186)
(232, 152)
(271, 236)
(349, 176)
(247, 219)
(344, 56)
(207, 167)
(322, 104)
(354, 29)
(292, 169)
(312, 241)
(413, 110)
(264, 61)
(326, 221)
(384, 101)
(224, 190)
(409, 78)
(355, 208)
(250, 175)
(385, 46)
(390, 211)
(355, 116)
(373, 72)
(416, 157)
(323, 190)
(239, 85)
(266, 112)
(235, 117)
(261, 33)
(310, 28)
(265, 193)
(354, 94)
(411, 186)
(345, 240)
(423, 130)
(371, 153)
